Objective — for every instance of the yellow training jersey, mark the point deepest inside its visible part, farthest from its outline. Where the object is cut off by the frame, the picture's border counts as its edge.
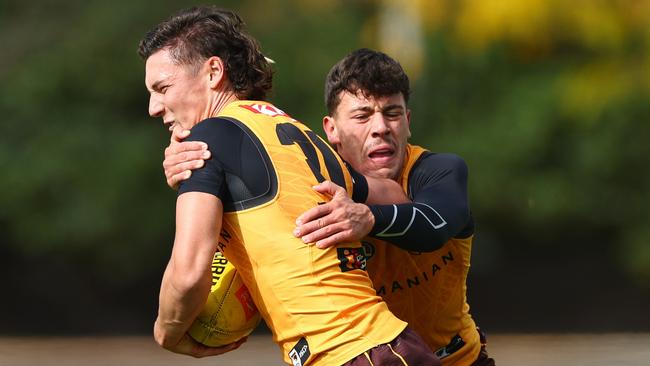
(319, 304)
(428, 289)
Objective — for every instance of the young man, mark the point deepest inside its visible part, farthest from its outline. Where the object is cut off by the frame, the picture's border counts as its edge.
(205, 74)
(419, 253)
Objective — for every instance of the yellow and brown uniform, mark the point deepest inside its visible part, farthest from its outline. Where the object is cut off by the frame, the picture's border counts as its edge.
(428, 289)
(319, 304)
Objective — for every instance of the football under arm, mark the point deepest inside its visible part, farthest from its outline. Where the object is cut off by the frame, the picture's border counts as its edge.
(187, 278)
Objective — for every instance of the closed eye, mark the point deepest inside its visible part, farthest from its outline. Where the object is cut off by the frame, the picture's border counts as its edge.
(393, 115)
(360, 117)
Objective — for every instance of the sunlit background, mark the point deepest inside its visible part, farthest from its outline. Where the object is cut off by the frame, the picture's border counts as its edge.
(548, 101)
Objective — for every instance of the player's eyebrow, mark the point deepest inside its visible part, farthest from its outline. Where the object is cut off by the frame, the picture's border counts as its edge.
(392, 107)
(386, 108)
(363, 108)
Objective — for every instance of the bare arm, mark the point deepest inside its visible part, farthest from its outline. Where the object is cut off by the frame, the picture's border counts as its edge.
(385, 192)
(187, 279)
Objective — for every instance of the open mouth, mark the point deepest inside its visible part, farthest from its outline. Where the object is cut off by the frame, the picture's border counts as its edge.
(382, 154)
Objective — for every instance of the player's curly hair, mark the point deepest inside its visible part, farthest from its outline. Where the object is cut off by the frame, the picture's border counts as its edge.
(373, 73)
(198, 33)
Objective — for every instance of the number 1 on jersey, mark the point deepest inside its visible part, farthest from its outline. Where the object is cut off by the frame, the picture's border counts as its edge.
(308, 141)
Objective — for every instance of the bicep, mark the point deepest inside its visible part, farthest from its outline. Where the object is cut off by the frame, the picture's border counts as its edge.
(198, 223)
(439, 177)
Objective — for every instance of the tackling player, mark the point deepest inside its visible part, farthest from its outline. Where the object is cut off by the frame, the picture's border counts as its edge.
(419, 253)
(205, 74)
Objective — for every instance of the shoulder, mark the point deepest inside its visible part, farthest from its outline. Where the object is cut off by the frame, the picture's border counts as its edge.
(222, 134)
(212, 126)
(430, 162)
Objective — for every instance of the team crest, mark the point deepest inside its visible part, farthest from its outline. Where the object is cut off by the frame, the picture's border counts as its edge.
(351, 258)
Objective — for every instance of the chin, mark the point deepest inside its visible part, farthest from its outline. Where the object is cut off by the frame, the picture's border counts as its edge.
(383, 173)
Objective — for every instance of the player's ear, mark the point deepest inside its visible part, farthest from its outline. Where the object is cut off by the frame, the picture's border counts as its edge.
(329, 126)
(216, 71)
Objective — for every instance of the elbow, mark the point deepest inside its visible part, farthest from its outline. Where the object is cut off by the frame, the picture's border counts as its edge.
(163, 341)
(162, 337)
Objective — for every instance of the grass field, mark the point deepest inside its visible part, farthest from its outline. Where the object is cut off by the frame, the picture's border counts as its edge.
(631, 349)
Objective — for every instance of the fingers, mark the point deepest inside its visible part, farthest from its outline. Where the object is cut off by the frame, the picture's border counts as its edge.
(320, 228)
(328, 234)
(176, 164)
(329, 188)
(205, 351)
(313, 230)
(174, 181)
(190, 148)
(314, 213)
(342, 236)
(191, 347)
(182, 157)
(178, 134)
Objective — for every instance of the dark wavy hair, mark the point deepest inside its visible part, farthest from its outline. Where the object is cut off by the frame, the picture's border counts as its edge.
(198, 33)
(373, 73)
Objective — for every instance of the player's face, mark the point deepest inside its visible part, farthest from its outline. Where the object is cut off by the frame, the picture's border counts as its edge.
(371, 133)
(179, 94)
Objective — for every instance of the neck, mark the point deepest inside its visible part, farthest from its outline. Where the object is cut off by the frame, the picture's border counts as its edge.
(221, 100)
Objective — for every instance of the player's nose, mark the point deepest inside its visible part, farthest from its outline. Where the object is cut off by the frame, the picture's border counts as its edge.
(156, 107)
(379, 125)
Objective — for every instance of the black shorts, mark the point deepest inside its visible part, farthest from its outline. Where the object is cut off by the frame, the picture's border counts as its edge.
(483, 359)
(407, 349)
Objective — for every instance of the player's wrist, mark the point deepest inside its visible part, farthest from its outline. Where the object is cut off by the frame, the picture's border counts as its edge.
(369, 220)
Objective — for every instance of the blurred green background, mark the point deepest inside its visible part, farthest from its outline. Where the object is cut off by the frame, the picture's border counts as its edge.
(547, 100)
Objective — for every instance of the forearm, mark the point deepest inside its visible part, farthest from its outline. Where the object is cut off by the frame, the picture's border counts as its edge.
(418, 226)
(187, 279)
(180, 303)
(439, 211)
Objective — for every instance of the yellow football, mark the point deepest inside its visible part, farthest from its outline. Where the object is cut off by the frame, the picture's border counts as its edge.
(229, 313)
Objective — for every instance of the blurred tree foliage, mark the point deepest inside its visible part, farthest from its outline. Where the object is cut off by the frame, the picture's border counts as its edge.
(549, 102)
(545, 99)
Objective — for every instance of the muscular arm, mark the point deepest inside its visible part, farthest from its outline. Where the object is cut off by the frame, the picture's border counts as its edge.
(186, 282)
(199, 211)
(439, 211)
